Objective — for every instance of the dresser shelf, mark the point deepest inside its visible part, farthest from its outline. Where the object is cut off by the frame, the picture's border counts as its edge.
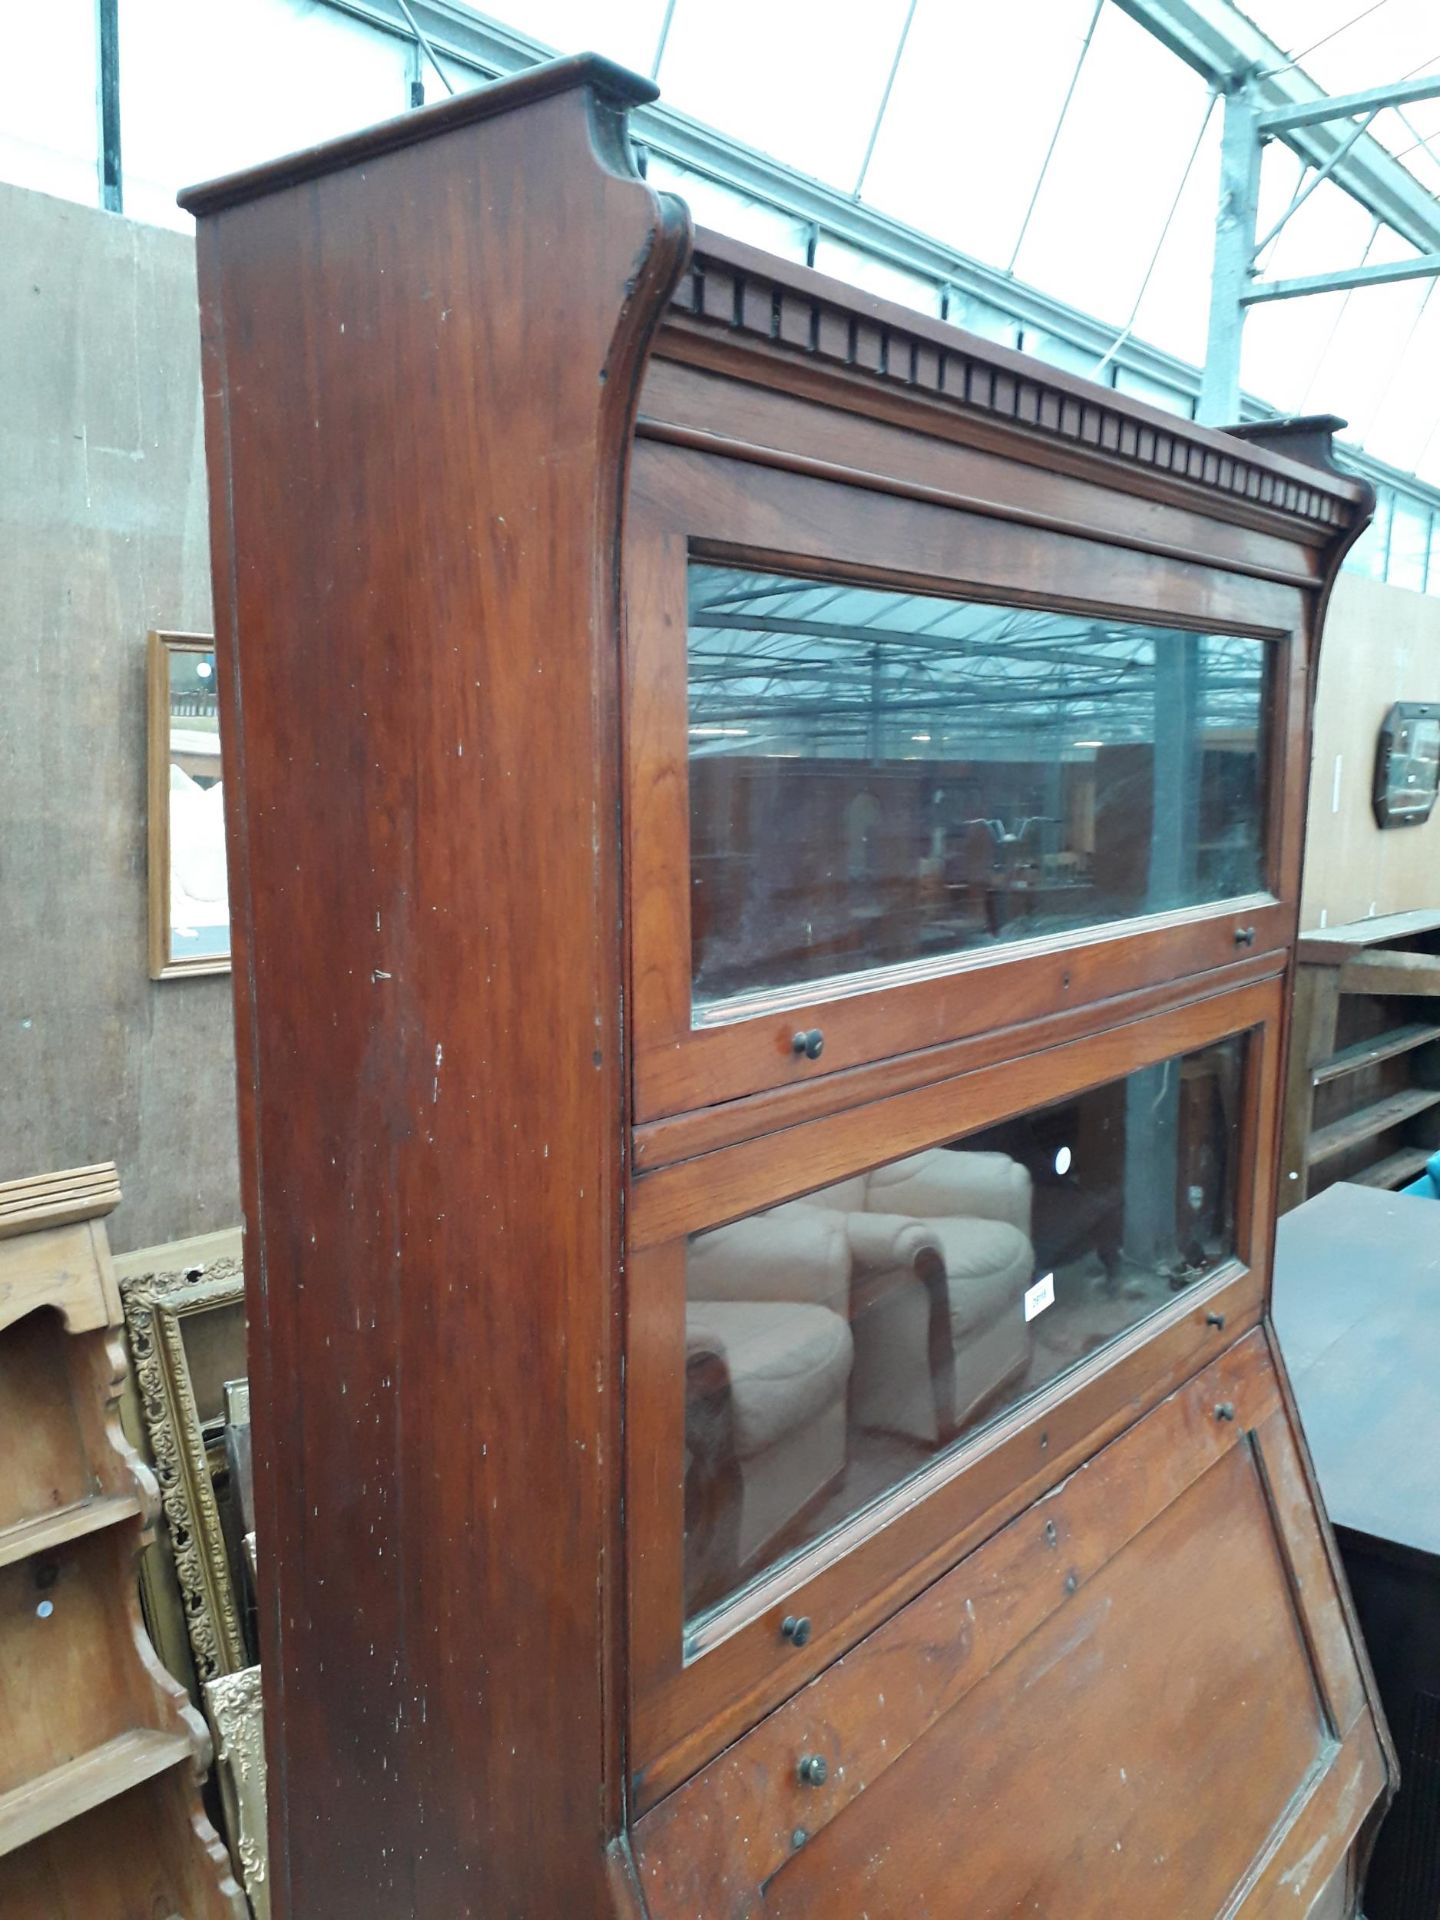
(63, 1794)
(46, 1531)
(1369, 1053)
(1366, 1122)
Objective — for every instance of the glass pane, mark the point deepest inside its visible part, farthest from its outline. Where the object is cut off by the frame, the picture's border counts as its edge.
(49, 133)
(1368, 553)
(294, 73)
(837, 1343)
(727, 210)
(876, 276)
(1155, 392)
(1056, 351)
(792, 80)
(623, 30)
(881, 778)
(947, 122)
(1409, 545)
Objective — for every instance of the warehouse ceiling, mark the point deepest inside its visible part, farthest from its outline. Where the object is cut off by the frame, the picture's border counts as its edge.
(1076, 146)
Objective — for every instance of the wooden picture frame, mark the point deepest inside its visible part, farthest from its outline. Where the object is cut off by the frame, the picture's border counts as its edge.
(162, 648)
(157, 1306)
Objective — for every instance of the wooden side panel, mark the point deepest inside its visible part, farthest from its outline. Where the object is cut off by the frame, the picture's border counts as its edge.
(1140, 1698)
(69, 1678)
(420, 375)
(57, 1267)
(45, 1461)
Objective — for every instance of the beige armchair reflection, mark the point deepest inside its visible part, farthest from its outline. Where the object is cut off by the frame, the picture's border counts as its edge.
(941, 1254)
(888, 1304)
(768, 1358)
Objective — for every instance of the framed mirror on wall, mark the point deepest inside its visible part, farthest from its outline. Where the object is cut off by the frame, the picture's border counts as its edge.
(189, 901)
(1407, 764)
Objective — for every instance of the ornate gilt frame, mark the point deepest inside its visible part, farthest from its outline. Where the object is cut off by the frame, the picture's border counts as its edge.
(156, 1305)
(234, 1705)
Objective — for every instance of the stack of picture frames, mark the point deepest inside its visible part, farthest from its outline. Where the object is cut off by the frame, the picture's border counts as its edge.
(189, 1409)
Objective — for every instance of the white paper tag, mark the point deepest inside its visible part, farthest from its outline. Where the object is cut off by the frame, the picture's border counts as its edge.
(1040, 1296)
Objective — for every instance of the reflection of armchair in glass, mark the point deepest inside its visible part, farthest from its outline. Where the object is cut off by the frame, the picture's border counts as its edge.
(768, 1356)
(942, 1257)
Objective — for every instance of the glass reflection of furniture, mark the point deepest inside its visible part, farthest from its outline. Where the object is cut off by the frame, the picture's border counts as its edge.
(775, 1232)
(836, 1342)
(189, 907)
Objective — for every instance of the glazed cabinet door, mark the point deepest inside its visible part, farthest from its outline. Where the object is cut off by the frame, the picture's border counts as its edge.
(1140, 1697)
(898, 774)
(857, 1347)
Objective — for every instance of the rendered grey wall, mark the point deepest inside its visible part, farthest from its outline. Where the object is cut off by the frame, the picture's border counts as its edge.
(102, 536)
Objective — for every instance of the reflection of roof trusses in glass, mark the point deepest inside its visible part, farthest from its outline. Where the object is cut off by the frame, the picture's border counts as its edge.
(828, 668)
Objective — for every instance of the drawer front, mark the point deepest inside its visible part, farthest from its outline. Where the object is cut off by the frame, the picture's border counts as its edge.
(1139, 1697)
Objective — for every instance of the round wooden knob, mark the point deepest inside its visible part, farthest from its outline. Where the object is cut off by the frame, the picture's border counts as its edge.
(812, 1769)
(811, 1044)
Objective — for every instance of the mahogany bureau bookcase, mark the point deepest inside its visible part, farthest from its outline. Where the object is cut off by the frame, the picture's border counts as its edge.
(765, 840)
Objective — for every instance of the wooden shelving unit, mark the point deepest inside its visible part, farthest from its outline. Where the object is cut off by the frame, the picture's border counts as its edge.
(1363, 1100)
(100, 1752)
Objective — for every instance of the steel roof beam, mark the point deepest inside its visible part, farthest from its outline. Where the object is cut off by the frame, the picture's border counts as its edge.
(1230, 52)
(1378, 275)
(1341, 106)
(461, 34)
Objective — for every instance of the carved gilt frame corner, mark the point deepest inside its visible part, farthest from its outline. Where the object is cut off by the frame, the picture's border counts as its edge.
(237, 1719)
(156, 1307)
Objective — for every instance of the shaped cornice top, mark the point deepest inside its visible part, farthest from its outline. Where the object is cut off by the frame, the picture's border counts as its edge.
(795, 312)
(614, 86)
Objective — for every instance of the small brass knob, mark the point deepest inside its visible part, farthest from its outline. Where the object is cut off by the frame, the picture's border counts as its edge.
(796, 1629)
(811, 1044)
(812, 1770)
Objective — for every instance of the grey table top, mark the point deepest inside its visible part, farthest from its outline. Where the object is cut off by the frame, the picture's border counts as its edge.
(1357, 1312)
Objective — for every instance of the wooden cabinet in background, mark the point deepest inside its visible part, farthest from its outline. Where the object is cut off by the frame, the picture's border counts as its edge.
(762, 1015)
(1363, 1095)
(100, 1754)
